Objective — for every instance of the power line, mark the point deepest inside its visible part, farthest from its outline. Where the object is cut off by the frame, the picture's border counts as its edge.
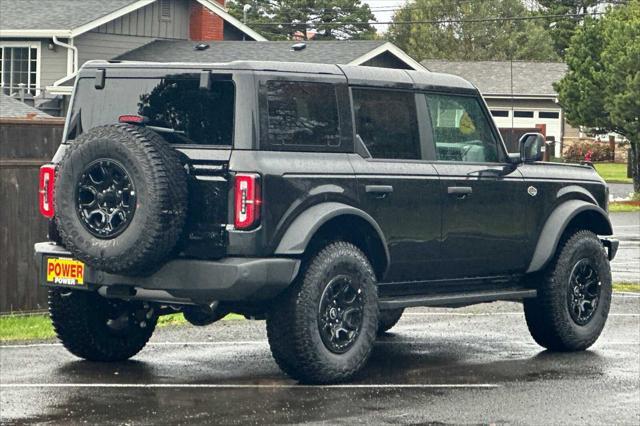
(435, 22)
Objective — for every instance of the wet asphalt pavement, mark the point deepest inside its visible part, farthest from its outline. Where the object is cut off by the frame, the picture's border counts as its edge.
(626, 266)
(471, 365)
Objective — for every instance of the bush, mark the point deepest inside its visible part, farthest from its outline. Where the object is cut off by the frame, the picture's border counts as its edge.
(600, 151)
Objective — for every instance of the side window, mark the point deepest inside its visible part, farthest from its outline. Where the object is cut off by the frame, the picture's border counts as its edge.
(387, 123)
(461, 131)
(302, 115)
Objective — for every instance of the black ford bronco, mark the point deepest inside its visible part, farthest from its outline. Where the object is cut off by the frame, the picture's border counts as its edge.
(322, 198)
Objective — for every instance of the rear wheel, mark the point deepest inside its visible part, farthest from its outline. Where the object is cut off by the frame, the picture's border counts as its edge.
(321, 330)
(99, 329)
(574, 296)
(388, 319)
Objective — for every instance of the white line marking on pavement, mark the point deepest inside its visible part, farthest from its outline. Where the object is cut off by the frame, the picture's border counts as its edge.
(248, 386)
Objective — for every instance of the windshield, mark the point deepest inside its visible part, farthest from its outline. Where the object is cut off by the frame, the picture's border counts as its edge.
(175, 106)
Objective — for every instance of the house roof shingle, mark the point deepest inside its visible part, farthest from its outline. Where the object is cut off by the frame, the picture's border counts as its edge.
(494, 77)
(328, 52)
(55, 14)
(14, 108)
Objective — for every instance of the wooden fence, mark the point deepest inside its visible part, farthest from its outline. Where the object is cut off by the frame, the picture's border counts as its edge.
(25, 144)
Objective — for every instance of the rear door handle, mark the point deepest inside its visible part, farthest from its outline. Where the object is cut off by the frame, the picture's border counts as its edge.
(380, 191)
(459, 191)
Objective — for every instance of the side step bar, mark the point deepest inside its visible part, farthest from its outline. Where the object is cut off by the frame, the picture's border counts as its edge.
(458, 299)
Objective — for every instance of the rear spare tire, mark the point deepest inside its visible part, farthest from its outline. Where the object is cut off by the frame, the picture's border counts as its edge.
(121, 199)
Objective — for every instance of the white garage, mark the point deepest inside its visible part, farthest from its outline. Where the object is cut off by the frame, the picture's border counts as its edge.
(519, 94)
(529, 118)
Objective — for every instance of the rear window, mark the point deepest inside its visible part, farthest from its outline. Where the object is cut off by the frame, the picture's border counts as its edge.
(175, 106)
(301, 115)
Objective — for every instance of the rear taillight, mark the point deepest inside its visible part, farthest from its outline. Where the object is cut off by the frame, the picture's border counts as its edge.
(132, 119)
(45, 189)
(248, 201)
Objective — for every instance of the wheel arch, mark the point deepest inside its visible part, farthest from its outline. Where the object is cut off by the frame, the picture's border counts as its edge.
(325, 221)
(569, 216)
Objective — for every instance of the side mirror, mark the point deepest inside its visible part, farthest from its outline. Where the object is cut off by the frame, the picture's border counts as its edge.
(531, 147)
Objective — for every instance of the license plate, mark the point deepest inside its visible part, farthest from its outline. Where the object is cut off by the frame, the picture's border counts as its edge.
(64, 271)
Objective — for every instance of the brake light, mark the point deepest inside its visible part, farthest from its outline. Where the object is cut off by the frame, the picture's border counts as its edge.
(132, 119)
(248, 201)
(45, 190)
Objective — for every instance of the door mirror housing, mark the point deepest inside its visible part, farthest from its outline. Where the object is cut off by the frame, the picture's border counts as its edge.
(531, 147)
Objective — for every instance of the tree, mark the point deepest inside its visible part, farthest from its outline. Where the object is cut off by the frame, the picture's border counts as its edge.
(329, 19)
(602, 86)
(471, 39)
(561, 30)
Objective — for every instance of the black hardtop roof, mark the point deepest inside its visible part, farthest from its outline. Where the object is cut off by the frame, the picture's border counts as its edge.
(355, 74)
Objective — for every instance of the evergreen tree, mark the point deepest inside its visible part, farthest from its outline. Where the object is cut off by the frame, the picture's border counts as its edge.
(468, 35)
(327, 19)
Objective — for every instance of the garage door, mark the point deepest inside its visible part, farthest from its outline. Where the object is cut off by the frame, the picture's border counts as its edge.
(528, 118)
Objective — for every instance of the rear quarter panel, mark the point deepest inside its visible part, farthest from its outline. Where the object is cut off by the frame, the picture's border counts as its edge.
(291, 183)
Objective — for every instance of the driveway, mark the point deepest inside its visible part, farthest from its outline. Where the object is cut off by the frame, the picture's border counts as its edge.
(626, 266)
(471, 365)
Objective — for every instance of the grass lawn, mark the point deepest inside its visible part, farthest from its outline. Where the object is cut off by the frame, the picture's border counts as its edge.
(613, 172)
(38, 327)
(629, 287)
(624, 207)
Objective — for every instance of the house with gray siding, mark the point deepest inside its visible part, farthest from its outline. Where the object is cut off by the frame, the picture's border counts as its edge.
(44, 42)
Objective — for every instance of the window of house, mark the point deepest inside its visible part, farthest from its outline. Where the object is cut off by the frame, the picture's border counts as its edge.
(174, 105)
(165, 10)
(499, 113)
(523, 114)
(18, 68)
(461, 131)
(302, 115)
(387, 123)
(548, 114)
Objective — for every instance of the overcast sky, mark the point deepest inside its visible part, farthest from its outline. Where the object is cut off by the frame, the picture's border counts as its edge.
(380, 9)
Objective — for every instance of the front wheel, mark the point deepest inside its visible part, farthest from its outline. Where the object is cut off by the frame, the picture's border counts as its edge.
(574, 296)
(322, 329)
(99, 329)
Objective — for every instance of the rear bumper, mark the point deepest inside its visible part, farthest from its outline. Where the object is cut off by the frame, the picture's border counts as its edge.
(227, 279)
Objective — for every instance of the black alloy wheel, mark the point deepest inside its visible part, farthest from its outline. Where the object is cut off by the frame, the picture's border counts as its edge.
(105, 198)
(584, 292)
(340, 314)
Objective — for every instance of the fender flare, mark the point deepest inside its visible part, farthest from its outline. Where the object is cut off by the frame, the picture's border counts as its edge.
(297, 237)
(555, 226)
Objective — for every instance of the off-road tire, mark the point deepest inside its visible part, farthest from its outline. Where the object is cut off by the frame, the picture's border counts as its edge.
(160, 182)
(79, 320)
(292, 323)
(387, 319)
(547, 315)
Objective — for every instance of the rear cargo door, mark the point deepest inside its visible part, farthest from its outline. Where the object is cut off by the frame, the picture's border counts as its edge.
(191, 109)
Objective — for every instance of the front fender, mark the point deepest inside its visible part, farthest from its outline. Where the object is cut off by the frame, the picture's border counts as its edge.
(557, 223)
(297, 237)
